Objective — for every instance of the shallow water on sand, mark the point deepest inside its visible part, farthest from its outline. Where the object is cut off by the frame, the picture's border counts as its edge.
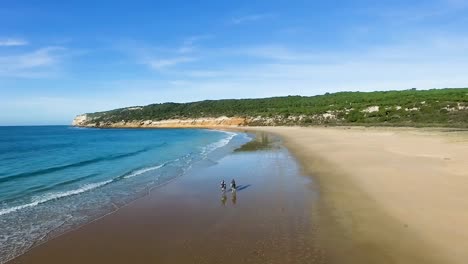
(53, 179)
(268, 219)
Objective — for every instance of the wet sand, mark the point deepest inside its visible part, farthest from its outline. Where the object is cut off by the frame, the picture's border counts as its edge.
(388, 195)
(188, 220)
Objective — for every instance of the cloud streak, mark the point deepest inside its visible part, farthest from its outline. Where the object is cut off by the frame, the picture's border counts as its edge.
(276, 52)
(189, 44)
(161, 64)
(436, 64)
(11, 42)
(250, 18)
(163, 58)
(37, 63)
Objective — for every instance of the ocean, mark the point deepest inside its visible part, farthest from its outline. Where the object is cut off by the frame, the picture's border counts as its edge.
(56, 178)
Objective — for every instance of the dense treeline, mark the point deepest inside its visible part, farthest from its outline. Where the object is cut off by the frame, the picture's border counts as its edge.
(441, 107)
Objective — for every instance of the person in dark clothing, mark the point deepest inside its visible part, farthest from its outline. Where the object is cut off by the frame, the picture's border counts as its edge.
(223, 186)
(233, 185)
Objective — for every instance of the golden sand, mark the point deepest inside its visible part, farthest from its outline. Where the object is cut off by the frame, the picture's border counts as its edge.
(396, 195)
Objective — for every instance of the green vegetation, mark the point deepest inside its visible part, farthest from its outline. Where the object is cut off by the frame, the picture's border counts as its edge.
(436, 107)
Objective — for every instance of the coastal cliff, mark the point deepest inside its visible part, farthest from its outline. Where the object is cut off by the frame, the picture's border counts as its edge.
(437, 107)
(203, 122)
(85, 121)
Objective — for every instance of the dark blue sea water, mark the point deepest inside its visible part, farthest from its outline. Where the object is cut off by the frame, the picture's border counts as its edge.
(54, 178)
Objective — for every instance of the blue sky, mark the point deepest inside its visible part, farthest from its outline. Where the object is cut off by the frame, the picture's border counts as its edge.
(59, 59)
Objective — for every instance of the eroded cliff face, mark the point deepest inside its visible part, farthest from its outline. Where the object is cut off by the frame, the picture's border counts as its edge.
(207, 122)
(85, 121)
(80, 120)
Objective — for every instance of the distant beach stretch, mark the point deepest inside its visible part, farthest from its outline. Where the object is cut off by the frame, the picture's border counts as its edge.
(394, 195)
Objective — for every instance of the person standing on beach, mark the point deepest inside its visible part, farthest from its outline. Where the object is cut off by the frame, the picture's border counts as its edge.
(223, 186)
(233, 185)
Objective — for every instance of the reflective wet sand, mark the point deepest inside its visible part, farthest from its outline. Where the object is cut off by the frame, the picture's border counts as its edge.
(268, 219)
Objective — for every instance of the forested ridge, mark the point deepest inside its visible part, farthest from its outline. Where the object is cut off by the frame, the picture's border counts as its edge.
(435, 107)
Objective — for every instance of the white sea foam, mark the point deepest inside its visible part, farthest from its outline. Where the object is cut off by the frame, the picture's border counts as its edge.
(53, 196)
(87, 187)
(141, 171)
(219, 144)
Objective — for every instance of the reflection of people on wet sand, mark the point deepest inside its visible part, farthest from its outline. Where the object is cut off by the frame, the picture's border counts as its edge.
(234, 198)
(223, 199)
(233, 189)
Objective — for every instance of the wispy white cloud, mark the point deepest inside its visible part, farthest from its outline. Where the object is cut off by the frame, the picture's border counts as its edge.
(163, 58)
(309, 79)
(160, 64)
(425, 11)
(189, 44)
(438, 63)
(205, 73)
(186, 49)
(250, 18)
(36, 63)
(435, 64)
(456, 3)
(433, 61)
(10, 42)
(275, 52)
(180, 83)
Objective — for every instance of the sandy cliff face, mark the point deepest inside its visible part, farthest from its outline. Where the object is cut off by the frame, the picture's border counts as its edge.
(79, 120)
(84, 121)
(222, 121)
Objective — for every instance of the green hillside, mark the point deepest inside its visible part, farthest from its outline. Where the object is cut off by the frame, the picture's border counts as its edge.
(436, 107)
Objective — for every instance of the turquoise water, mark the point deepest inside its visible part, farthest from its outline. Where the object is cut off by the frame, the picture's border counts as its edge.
(57, 177)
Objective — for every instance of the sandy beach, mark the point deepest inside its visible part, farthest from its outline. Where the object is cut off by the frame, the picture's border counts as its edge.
(335, 195)
(188, 220)
(389, 195)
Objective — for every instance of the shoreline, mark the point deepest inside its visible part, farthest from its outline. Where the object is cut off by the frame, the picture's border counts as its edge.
(212, 151)
(186, 221)
(376, 204)
(354, 218)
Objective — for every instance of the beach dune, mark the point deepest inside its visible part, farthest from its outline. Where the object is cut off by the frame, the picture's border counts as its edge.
(394, 195)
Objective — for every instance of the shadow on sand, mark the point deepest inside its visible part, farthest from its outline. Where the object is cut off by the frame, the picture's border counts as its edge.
(243, 187)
